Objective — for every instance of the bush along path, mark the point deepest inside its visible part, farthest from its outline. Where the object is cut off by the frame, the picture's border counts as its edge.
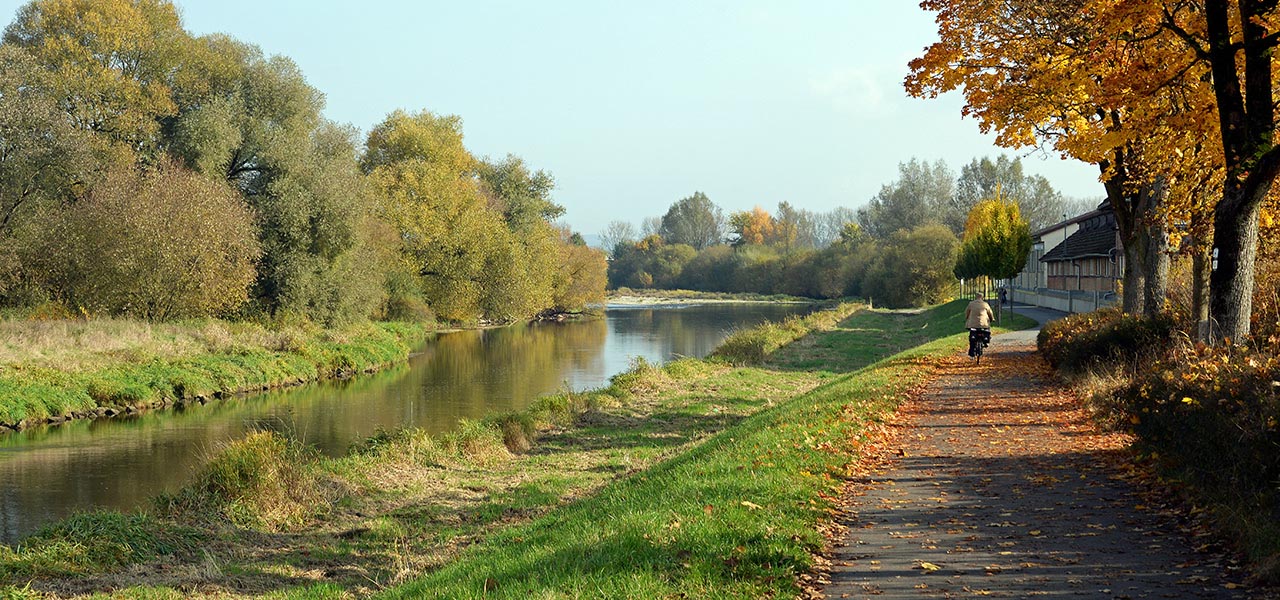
(992, 482)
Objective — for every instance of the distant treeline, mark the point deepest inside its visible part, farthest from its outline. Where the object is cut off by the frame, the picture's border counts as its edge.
(152, 173)
(900, 249)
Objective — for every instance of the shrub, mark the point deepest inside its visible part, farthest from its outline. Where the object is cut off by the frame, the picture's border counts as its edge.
(263, 480)
(1078, 342)
(1212, 416)
(1214, 410)
(642, 376)
(913, 268)
(478, 441)
(167, 244)
(580, 279)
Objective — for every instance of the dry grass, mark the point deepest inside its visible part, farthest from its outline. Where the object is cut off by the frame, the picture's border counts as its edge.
(1099, 386)
(72, 345)
(75, 344)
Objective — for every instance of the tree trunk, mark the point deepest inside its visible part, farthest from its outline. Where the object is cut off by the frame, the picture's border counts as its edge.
(1134, 282)
(1129, 211)
(1156, 270)
(1235, 238)
(1246, 117)
(1200, 263)
(1154, 246)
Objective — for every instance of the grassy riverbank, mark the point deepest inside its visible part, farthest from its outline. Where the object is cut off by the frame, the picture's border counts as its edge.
(701, 475)
(54, 370)
(739, 515)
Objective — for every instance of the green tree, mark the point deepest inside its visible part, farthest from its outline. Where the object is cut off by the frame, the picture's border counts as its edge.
(424, 180)
(651, 262)
(712, 270)
(996, 242)
(694, 221)
(915, 199)
(581, 277)
(913, 267)
(521, 281)
(255, 122)
(983, 178)
(41, 156)
(523, 197)
(519, 277)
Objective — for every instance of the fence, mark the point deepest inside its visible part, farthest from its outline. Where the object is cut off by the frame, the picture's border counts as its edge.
(1069, 301)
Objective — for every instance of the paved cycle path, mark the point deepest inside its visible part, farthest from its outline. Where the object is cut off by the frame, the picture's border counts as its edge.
(998, 486)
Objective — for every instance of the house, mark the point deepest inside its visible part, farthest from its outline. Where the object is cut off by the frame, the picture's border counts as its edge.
(1089, 259)
(1073, 265)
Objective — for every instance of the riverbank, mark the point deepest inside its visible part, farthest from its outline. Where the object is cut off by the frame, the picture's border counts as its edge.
(627, 297)
(54, 371)
(273, 518)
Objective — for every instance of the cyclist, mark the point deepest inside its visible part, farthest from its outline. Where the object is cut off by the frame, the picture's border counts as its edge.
(977, 317)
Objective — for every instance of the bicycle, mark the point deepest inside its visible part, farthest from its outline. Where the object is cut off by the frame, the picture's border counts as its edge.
(979, 339)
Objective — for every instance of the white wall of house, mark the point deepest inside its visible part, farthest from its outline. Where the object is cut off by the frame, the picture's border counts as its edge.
(1031, 285)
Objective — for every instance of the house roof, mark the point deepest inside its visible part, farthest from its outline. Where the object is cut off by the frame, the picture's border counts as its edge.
(1073, 220)
(1096, 237)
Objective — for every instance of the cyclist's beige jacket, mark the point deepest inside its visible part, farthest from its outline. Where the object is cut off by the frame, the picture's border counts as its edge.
(978, 314)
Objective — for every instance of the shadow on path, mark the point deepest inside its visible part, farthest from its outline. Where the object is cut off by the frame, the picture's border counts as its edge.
(1001, 488)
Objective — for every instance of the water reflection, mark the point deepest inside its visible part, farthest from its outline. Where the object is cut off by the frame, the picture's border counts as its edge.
(47, 473)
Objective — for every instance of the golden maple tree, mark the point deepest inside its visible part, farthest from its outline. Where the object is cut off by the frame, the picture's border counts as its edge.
(1107, 82)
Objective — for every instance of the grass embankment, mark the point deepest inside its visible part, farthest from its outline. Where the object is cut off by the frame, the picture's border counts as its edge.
(54, 370)
(750, 454)
(737, 516)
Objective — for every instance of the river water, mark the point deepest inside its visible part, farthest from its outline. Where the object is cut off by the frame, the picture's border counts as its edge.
(47, 473)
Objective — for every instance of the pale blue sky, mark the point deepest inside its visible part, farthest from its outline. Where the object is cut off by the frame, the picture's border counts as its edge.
(633, 105)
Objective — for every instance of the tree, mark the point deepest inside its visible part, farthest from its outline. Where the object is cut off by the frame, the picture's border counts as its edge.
(41, 156)
(167, 244)
(523, 197)
(793, 228)
(650, 263)
(650, 226)
(1247, 124)
(1039, 203)
(694, 221)
(1099, 81)
(712, 270)
(911, 201)
(753, 227)
(828, 225)
(256, 122)
(112, 61)
(581, 277)
(615, 234)
(422, 176)
(912, 267)
(996, 241)
(521, 280)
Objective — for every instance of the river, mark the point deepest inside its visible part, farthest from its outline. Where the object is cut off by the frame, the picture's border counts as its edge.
(48, 473)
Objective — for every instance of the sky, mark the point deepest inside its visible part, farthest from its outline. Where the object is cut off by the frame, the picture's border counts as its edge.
(632, 106)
